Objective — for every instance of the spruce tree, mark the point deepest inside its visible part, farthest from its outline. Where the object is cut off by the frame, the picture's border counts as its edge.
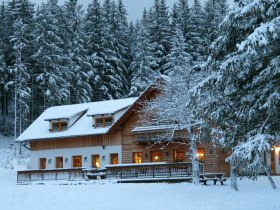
(142, 73)
(79, 68)
(51, 56)
(244, 86)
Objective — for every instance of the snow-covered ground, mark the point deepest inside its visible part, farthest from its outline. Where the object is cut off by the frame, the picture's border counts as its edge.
(108, 195)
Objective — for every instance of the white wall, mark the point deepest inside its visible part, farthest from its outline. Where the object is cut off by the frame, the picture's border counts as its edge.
(70, 152)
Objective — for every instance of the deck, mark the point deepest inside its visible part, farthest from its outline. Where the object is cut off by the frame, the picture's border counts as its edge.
(146, 172)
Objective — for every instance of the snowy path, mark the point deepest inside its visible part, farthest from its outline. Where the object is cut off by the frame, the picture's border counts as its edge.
(105, 195)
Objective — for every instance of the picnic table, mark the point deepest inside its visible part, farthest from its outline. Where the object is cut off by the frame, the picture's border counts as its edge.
(216, 176)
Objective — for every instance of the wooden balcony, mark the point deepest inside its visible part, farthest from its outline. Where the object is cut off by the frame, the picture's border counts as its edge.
(50, 174)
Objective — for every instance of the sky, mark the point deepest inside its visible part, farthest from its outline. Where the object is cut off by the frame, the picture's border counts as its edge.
(134, 7)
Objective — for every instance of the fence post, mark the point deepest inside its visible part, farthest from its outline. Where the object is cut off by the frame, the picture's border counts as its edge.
(170, 171)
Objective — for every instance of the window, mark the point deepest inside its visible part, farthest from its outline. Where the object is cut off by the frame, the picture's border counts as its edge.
(178, 155)
(200, 154)
(137, 157)
(59, 126)
(156, 156)
(43, 162)
(95, 161)
(59, 162)
(108, 122)
(114, 159)
(77, 161)
(103, 122)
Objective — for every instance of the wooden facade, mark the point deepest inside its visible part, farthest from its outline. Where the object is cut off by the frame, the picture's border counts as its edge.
(77, 142)
(214, 159)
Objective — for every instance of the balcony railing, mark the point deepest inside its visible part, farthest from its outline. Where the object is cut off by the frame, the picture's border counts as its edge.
(150, 170)
(50, 174)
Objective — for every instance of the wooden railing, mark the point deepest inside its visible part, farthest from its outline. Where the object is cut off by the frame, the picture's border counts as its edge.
(151, 170)
(50, 174)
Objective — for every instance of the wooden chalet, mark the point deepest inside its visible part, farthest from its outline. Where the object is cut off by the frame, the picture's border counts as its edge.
(98, 134)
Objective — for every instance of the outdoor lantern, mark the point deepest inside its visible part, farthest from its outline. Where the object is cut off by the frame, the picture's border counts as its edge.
(85, 159)
(49, 161)
(103, 157)
(66, 160)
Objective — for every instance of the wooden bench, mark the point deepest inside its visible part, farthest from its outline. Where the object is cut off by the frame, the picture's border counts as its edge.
(212, 177)
(204, 180)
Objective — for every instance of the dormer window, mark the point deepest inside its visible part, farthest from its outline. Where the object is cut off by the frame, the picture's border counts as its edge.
(59, 126)
(103, 122)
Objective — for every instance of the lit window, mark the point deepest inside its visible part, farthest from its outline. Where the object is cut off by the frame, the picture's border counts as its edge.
(137, 157)
(179, 155)
(59, 126)
(114, 159)
(43, 162)
(95, 161)
(77, 161)
(59, 162)
(103, 122)
(156, 156)
(200, 154)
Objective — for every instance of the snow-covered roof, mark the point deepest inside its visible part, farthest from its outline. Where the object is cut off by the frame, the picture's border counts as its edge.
(110, 107)
(39, 129)
(69, 112)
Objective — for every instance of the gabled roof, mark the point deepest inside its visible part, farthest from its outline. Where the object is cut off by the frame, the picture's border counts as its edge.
(39, 129)
(150, 91)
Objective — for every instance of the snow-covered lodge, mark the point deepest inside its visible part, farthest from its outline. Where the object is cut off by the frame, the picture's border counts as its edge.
(106, 133)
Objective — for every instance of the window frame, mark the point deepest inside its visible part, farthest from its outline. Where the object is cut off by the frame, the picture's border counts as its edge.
(94, 159)
(177, 157)
(103, 122)
(136, 159)
(81, 161)
(42, 162)
(60, 126)
(112, 156)
(57, 162)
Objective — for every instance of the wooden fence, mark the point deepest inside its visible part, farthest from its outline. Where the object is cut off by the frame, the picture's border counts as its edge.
(52, 174)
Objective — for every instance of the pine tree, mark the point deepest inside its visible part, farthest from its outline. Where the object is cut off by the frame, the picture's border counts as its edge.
(215, 11)
(79, 68)
(51, 56)
(184, 17)
(196, 31)
(143, 61)
(159, 32)
(244, 85)
(96, 50)
(178, 59)
(21, 76)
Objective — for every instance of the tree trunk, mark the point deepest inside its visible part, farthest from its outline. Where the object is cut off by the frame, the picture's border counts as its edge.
(267, 171)
(233, 177)
(195, 162)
